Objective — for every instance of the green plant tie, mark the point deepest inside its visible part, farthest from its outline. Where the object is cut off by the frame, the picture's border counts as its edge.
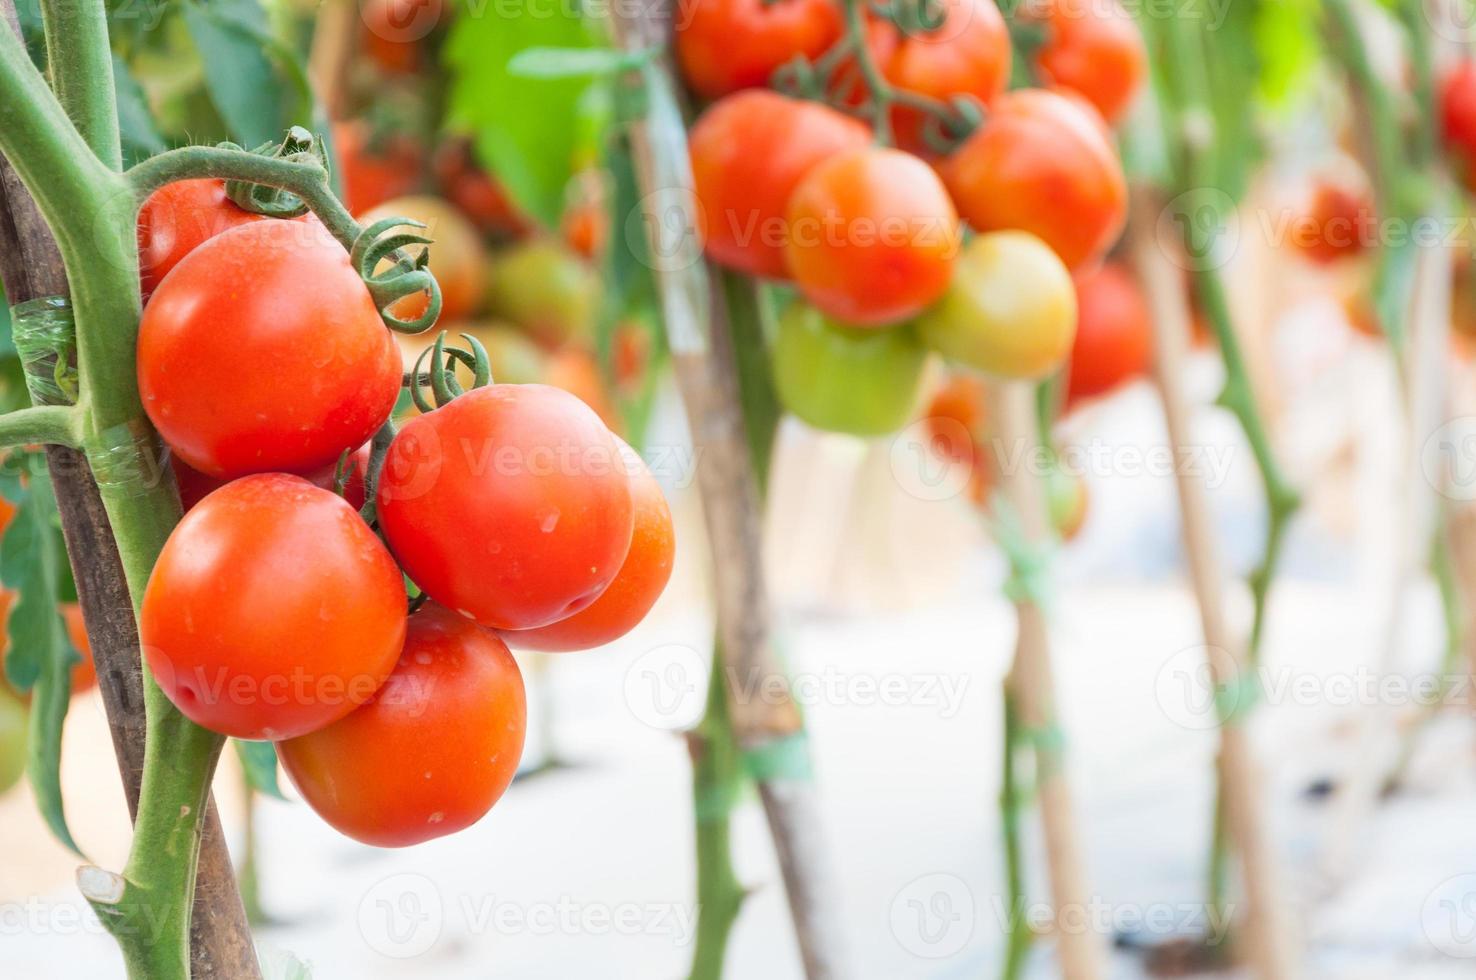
(783, 758)
(128, 457)
(1029, 578)
(45, 337)
(1235, 698)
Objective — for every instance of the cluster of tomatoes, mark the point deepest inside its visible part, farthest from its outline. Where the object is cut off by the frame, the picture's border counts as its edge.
(278, 609)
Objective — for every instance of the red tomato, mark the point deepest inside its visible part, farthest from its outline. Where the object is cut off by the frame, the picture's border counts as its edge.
(394, 29)
(872, 236)
(1094, 47)
(194, 486)
(263, 351)
(476, 192)
(749, 152)
(1458, 119)
(1339, 221)
(637, 585)
(1041, 163)
(7, 514)
(955, 418)
(510, 504)
(432, 751)
(84, 672)
(1114, 333)
(727, 45)
(273, 610)
(176, 219)
(968, 55)
(371, 171)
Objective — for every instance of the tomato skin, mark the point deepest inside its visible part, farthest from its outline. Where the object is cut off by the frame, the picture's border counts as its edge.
(1114, 333)
(510, 504)
(1042, 163)
(749, 152)
(394, 29)
(1011, 310)
(726, 45)
(475, 192)
(195, 486)
(372, 175)
(639, 583)
(15, 726)
(546, 289)
(872, 236)
(956, 416)
(263, 351)
(1339, 222)
(969, 55)
(1095, 48)
(457, 258)
(1458, 120)
(273, 610)
(432, 751)
(176, 219)
(840, 379)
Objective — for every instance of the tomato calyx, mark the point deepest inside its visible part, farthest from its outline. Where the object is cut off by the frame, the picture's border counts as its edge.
(298, 146)
(441, 378)
(405, 275)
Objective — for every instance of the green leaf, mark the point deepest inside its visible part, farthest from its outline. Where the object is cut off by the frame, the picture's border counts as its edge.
(240, 77)
(259, 761)
(531, 132)
(41, 656)
(1287, 34)
(141, 137)
(549, 63)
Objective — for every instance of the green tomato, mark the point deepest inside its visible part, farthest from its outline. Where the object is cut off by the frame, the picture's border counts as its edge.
(1066, 498)
(547, 290)
(14, 726)
(1010, 309)
(863, 382)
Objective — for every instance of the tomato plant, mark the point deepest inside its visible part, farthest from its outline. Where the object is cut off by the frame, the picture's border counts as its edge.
(1042, 163)
(1458, 119)
(431, 751)
(176, 219)
(509, 504)
(749, 151)
(273, 610)
(1011, 309)
(1114, 333)
(14, 728)
(841, 379)
(872, 236)
(547, 290)
(285, 370)
(457, 257)
(639, 583)
(727, 45)
(515, 358)
(1093, 47)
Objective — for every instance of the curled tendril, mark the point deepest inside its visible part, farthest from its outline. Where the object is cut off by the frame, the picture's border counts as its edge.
(406, 275)
(913, 17)
(442, 376)
(299, 146)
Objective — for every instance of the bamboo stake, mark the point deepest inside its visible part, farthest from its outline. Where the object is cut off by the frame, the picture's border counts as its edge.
(1269, 946)
(1030, 687)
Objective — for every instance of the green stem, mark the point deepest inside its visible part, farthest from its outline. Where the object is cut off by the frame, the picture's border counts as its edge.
(1011, 802)
(746, 302)
(717, 781)
(876, 82)
(249, 879)
(80, 64)
(52, 425)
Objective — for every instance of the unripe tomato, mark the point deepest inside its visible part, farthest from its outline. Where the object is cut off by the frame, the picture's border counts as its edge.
(176, 219)
(15, 725)
(546, 289)
(1011, 310)
(1093, 47)
(872, 236)
(273, 610)
(837, 378)
(84, 672)
(510, 505)
(263, 351)
(1066, 502)
(456, 258)
(374, 171)
(1041, 163)
(726, 45)
(749, 152)
(432, 751)
(1458, 120)
(639, 583)
(968, 55)
(1339, 221)
(955, 418)
(1114, 333)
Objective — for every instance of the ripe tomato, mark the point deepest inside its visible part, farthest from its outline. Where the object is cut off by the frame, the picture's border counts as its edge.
(394, 29)
(476, 192)
(15, 725)
(84, 672)
(432, 751)
(374, 171)
(195, 486)
(263, 351)
(726, 45)
(456, 258)
(1042, 163)
(837, 378)
(1339, 221)
(176, 219)
(1114, 333)
(872, 236)
(509, 505)
(273, 610)
(1011, 310)
(968, 55)
(749, 152)
(1095, 48)
(956, 416)
(1458, 120)
(637, 585)
(547, 290)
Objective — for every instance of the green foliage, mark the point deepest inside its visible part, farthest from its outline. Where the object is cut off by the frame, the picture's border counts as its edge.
(532, 132)
(1288, 42)
(259, 762)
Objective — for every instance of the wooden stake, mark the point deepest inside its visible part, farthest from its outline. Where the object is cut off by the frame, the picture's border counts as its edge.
(1269, 948)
